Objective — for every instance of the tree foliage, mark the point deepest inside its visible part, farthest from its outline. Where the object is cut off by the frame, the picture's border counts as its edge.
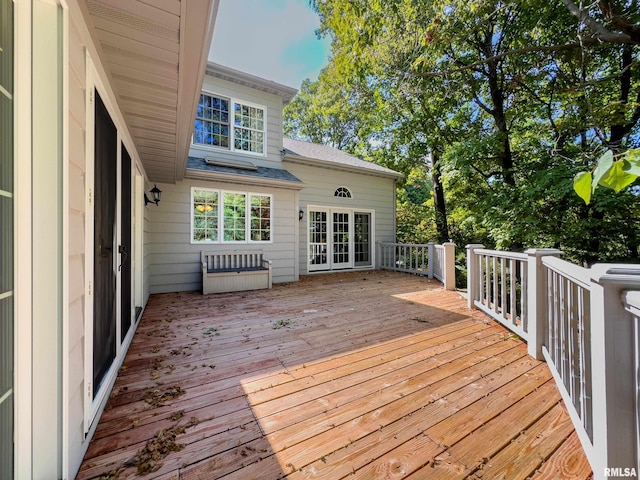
(495, 106)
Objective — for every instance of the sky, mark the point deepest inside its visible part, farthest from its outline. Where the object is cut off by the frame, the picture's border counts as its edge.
(271, 39)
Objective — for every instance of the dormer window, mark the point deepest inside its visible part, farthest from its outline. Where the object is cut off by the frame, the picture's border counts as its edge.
(230, 124)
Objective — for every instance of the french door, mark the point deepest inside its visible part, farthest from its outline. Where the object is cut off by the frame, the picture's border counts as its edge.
(111, 310)
(339, 239)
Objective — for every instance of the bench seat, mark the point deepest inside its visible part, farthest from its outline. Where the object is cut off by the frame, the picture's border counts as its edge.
(234, 271)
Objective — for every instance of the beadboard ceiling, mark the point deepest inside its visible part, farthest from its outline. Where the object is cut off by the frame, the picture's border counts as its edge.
(155, 52)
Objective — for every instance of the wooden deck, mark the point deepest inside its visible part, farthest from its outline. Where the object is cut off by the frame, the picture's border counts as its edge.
(368, 375)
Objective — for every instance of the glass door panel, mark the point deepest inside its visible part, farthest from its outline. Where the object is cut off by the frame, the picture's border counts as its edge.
(341, 240)
(318, 240)
(362, 240)
(104, 306)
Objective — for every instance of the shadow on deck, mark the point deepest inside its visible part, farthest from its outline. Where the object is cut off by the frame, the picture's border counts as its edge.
(368, 375)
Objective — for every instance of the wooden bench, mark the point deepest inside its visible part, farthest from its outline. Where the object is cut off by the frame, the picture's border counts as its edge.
(234, 271)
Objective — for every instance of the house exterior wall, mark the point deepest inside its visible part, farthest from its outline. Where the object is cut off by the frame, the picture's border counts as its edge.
(274, 106)
(175, 261)
(51, 152)
(368, 193)
(76, 236)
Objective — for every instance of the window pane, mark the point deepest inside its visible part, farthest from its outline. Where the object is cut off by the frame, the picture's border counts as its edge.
(205, 216)
(234, 217)
(212, 122)
(260, 218)
(249, 128)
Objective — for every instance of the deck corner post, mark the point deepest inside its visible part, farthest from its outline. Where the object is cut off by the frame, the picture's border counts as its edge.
(431, 258)
(473, 274)
(614, 370)
(536, 306)
(449, 265)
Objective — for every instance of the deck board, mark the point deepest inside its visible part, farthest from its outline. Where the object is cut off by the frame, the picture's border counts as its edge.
(360, 375)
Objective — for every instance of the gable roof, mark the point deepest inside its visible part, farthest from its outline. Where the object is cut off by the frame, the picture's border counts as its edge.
(307, 152)
(257, 83)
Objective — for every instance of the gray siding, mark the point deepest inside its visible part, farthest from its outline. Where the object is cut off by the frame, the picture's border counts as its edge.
(274, 106)
(368, 193)
(175, 262)
(76, 260)
(74, 397)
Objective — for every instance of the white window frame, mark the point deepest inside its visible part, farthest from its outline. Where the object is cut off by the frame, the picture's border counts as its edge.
(220, 241)
(232, 112)
(345, 189)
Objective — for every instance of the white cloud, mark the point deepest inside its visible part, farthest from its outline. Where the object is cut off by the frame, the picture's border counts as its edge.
(259, 36)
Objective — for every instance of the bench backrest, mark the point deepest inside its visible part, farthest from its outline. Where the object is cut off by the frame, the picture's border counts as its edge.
(232, 259)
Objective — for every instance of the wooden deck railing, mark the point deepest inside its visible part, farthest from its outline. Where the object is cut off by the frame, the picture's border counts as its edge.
(585, 323)
(428, 259)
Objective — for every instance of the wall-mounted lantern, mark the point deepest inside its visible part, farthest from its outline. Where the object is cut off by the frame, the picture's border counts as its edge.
(155, 193)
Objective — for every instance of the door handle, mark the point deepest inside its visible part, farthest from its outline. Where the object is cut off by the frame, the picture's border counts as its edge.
(122, 250)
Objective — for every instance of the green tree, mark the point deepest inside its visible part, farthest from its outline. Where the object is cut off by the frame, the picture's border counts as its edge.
(509, 98)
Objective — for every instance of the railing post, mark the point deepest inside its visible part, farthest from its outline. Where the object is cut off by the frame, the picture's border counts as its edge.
(431, 259)
(613, 369)
(473, 281)
(449, 267)
(536, 309)
(379, 261)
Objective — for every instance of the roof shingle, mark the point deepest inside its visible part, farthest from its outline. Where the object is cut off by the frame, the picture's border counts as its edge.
(324, 153)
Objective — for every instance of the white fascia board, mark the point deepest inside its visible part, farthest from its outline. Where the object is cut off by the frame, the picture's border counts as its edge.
(314, 162)
(197, 22)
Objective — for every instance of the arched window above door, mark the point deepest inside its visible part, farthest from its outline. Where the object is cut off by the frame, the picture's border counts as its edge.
(342, 192)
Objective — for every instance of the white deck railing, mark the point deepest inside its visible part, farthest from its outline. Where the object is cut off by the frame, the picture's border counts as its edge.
(631, 300)
(426, 259)
(500, 287)
(567, 339)
(585, 323)
(439, 262)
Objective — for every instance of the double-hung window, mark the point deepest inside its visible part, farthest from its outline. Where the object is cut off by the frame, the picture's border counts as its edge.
(230, 217)
(230, 124)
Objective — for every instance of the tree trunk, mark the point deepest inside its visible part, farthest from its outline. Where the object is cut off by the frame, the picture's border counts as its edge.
(622, 128)
(496, 92)
(442, 227)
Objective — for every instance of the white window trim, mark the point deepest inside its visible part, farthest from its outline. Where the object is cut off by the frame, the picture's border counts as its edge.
(247, 224)
(232, 149)
(345, 188)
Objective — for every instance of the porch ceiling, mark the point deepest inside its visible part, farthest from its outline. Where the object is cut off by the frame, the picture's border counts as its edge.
(155, 52)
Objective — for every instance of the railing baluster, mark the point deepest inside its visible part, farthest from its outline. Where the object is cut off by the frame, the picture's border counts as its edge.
(564, 329)
(503, 288)
(512, 291)
(494, 267)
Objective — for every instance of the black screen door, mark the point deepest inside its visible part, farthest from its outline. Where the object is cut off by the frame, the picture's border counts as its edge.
(125, 246)
(104, 300)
